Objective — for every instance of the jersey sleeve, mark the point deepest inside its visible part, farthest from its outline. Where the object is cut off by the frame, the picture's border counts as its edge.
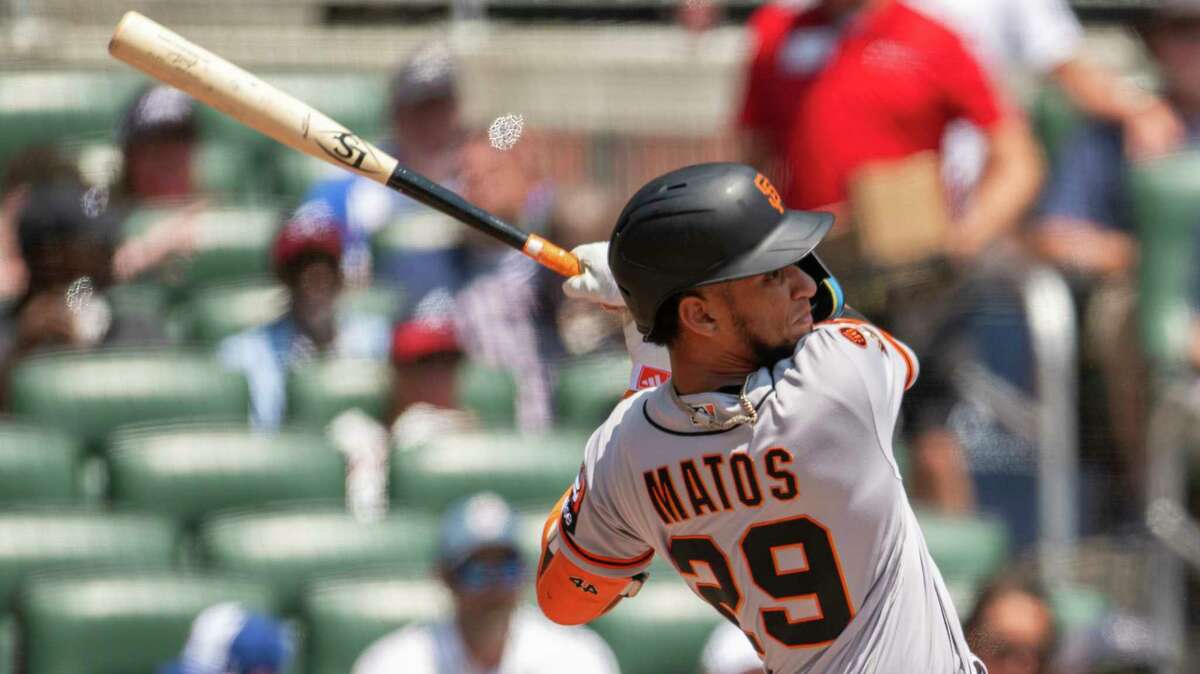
(873, 365)
(593, 532)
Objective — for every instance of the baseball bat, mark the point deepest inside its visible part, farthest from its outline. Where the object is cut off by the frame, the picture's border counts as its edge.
(169, 58)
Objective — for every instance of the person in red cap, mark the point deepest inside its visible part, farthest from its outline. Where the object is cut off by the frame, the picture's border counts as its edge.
(306, 257)
(425, 356)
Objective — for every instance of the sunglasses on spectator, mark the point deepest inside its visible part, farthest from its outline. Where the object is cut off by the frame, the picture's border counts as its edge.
(475, 575)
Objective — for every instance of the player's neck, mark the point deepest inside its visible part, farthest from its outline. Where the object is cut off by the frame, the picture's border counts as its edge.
(692, 374)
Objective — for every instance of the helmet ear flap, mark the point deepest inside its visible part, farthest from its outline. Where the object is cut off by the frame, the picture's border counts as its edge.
(830, 301)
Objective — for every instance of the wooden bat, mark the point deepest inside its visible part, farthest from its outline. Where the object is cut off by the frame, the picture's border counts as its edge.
(167, 57)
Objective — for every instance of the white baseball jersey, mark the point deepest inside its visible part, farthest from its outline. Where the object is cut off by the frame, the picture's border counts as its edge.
(795, 527)
(535, 646)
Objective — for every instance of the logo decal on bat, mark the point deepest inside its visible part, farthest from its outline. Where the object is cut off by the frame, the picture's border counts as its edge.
(348, 149)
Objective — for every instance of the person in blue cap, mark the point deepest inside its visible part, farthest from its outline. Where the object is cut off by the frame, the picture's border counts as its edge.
(492, 630)
(228, 639)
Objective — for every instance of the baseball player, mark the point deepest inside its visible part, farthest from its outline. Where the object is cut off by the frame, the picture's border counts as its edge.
(763, 470)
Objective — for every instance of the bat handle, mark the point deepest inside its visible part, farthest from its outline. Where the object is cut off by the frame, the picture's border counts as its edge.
(551, 256)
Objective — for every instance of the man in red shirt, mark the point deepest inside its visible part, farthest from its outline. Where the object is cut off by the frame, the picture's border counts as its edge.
(848, 83)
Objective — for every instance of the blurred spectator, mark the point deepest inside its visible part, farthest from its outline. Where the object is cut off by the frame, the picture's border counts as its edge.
(728, 651)
(480, 562)
(32, 166)
(852, 82)
(306, 257)
(158, 136)
(1012, 628)
(66, 235)
(425, 362)
(228, 639)
(505, 312)
(847, 86)
(1045, 38)
(425, 134)
(1087, 229)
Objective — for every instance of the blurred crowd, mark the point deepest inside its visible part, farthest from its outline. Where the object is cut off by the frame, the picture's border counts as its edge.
(895, 114)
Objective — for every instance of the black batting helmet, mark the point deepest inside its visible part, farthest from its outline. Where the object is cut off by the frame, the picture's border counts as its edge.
(709, 223)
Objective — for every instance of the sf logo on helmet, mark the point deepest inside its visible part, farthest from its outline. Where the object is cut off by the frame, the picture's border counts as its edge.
(768, 190)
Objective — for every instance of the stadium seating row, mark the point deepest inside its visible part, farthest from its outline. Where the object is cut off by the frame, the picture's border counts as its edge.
(90, 395)
(87, 584)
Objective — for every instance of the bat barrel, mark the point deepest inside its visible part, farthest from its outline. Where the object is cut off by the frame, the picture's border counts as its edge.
(168, 57)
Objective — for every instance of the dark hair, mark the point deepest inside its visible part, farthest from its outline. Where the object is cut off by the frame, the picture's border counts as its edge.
(999, 586)
(38, 165)
(666, 321)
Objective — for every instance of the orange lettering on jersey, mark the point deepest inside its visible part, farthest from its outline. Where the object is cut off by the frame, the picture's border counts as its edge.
(769, 191)
(745, 482)
(697, 492)
(777, 457)
(663, 496)
(714, 463)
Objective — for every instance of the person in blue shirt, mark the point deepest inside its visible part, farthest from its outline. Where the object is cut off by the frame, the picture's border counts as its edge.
(306, 257)
(1087, 229)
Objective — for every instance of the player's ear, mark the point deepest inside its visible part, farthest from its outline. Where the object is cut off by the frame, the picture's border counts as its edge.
(696, 315)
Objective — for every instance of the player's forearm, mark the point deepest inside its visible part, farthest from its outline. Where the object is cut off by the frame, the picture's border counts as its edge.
(1007, 190)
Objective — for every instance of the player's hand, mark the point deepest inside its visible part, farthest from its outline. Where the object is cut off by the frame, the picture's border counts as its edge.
(596, 283)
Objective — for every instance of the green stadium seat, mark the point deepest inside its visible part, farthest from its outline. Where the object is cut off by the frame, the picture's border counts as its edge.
(190, 470)
(525, 470)
(589, 389)
(215, 312)
(38, 465)
(347, 615)
(320, 390)
(140, 300)
(232, 171)
(120, 623)
(663, 629)
(233, 243)
(8, 644)
(39, 539)
(1055, 120)
(90, 394)
(61, 107)
(489, 393)
(288, 547)
(1077, 606)
(1166, 203)
(967, 550)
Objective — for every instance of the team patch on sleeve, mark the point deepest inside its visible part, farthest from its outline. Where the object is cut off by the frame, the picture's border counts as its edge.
(649, 377)
(571, 506)
(854, 336)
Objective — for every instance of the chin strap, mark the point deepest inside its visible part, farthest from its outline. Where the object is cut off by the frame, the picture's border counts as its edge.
(709, 422)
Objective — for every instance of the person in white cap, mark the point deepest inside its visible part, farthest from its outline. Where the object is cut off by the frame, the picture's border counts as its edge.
(490, 632)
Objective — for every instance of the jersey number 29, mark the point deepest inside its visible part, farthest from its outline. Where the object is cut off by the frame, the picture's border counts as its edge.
(820, 578)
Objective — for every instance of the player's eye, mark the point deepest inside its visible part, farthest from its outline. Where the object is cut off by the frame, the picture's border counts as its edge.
(773, 276)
